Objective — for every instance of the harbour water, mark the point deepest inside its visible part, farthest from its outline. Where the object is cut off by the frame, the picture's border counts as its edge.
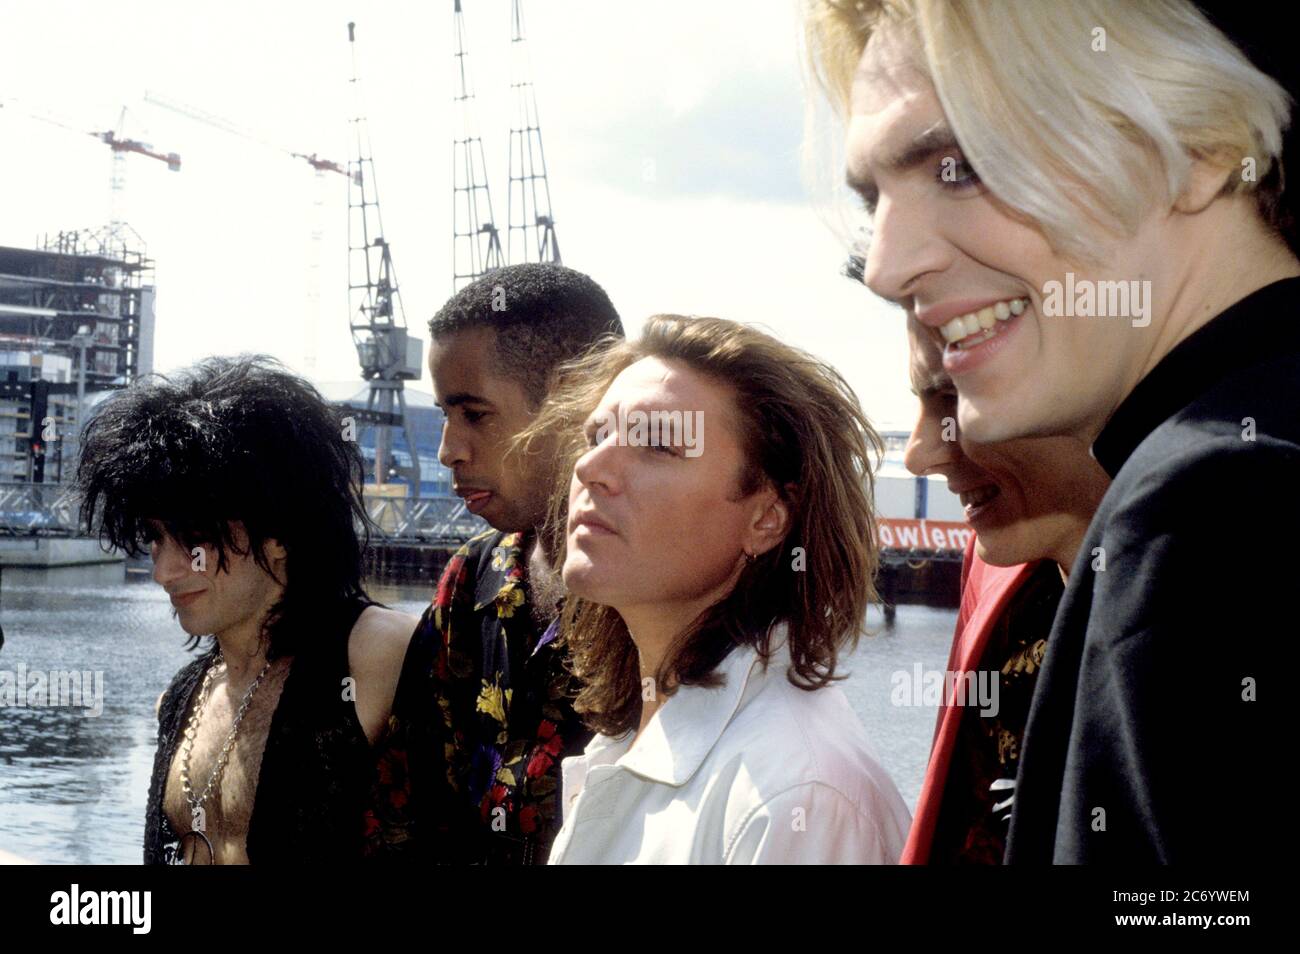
(73, 785)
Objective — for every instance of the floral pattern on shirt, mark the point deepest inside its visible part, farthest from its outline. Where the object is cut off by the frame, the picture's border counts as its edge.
(493, 695)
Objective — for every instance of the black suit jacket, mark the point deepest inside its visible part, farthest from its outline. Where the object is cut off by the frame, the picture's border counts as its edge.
(1146, 737)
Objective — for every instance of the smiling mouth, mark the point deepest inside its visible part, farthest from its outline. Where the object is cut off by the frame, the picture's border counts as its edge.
(977, 499)
(979, 496)
(975, 328)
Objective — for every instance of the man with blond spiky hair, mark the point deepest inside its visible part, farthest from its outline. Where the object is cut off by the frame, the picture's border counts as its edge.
(1004, 152)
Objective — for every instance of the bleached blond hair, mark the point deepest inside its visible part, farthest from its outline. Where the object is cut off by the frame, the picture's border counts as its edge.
(1079, 115)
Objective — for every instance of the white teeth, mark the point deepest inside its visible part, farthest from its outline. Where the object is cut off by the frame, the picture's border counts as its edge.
(971, 341)
(978, 497)
(963, 326)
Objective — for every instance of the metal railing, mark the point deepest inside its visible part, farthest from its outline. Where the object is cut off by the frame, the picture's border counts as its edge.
(52, 510)
(40, 509)
(426, 519)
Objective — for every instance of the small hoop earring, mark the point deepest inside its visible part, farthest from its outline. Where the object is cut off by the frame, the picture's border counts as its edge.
(749, 557)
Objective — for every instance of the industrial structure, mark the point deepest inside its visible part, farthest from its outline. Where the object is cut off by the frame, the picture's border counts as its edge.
(529, 202)
(475, 241)
(76, 317)
(85, 300)
(530, 225)
(389, 355)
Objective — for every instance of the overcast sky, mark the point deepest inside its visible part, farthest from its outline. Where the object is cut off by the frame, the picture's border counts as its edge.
(672, 135)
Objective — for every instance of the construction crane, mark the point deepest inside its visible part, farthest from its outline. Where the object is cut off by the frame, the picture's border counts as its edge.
(528, 208)
(226, 125)
(389, 356)
(476, 244)
(312, 317)
(120, 146)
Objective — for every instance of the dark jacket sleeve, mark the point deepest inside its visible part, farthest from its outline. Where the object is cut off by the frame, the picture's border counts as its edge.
(1166, 760)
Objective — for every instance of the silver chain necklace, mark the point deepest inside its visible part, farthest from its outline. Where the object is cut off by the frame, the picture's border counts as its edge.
(191, 732)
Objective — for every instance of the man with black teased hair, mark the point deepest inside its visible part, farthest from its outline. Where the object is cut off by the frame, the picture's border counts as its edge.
(484, 659)
(238, 479)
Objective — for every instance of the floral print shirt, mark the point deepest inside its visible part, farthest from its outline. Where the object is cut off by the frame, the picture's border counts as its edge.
(482, 716)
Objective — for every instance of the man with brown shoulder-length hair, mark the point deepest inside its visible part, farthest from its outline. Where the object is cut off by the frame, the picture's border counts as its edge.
(718, 545)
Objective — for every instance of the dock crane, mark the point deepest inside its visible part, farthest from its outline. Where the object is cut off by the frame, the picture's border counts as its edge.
(226, 125)
(528, 203)
(476, 241)
(477, 246)
(388, 354)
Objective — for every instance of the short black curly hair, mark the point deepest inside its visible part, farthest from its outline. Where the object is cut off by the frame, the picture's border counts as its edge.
(234, 439)
(543, 315)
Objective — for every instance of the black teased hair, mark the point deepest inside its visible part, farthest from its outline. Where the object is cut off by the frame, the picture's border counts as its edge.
(234, 438)
(543, 315)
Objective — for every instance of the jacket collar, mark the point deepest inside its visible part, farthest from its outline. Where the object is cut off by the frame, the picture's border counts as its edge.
(1250, 331)
(688, 725)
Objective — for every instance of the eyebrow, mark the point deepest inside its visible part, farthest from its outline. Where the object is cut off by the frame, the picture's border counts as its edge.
(459, 398)
(593, 419)
(939, 138)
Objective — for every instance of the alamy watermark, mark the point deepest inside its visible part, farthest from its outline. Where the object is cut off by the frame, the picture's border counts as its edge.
(128, 908)
(62, 688)
(684, 429)
(1098, 299)
(936, 687)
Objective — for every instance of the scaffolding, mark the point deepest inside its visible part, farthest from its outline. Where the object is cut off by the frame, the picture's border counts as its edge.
(77, 279)
(80, 296)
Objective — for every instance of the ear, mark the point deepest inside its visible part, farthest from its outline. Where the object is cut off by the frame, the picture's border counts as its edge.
(1205, 182)
(770, 523)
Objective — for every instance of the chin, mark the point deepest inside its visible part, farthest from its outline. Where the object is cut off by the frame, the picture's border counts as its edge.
(993, 420)
(498, 520)
(985, 552)
(996, 552)
(580, 577)
(194, 628)
(503, 516)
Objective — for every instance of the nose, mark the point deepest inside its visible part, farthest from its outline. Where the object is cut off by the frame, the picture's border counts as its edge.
(171, 561)
(599, 466)
(905, 244)
(453, 449)
(927, 452)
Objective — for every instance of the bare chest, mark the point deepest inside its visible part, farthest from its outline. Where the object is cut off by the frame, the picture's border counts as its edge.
(226, 811)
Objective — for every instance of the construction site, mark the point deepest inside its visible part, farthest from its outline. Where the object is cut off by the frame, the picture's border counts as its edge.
(77, 321)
